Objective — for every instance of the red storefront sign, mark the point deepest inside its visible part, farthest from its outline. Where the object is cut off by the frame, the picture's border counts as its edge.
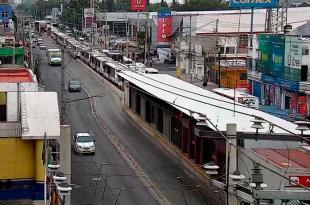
(138, 5)
(88, 22)
(303, 105)
(303, 180)
(164, 27)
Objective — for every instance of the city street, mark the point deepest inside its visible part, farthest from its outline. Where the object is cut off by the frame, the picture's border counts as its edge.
(160, 169)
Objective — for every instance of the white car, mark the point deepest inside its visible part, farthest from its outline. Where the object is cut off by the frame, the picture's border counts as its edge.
(84, 143)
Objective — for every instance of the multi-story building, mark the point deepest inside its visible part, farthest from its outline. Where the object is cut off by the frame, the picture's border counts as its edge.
(26, 115)
(278, 72)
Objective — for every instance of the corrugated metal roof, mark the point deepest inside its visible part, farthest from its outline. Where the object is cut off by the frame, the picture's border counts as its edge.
(297, 158)
(10, 129)
(219, 110)
(15, 75)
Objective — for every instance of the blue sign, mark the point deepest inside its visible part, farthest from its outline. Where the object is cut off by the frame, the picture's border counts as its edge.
(164, 14)
(244, 4)
(287, 84)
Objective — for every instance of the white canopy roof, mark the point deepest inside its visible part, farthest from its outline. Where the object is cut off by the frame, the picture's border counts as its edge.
(40, 114)
(187, 97)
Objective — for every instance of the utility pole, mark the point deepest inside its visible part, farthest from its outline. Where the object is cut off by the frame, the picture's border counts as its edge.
(62, 80)
(218, 51)
(30, 44)
(127, 46)
(145, 39)
(190, 48)
(92, 24)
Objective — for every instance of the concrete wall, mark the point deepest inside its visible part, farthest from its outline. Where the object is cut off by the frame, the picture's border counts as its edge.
(12, 97)
(17, 159)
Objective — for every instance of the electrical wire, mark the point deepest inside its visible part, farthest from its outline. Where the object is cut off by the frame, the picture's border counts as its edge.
(203, 102)
(241, 151)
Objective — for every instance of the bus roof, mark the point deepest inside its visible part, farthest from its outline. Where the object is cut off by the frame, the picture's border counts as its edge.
(232, 93)
(53, 49)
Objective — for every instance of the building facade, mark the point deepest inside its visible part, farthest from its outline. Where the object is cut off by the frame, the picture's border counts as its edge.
(278, 72)
(25, 115)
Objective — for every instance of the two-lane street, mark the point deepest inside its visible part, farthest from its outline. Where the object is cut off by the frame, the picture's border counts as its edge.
(159, 167)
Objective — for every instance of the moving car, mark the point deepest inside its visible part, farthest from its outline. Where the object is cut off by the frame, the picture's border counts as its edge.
(74, 86)
(42, 47)
(84, 143)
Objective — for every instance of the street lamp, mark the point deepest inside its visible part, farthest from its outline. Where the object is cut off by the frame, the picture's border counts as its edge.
(59, 178)
(257, 124)
(64, 190)
(211, 168)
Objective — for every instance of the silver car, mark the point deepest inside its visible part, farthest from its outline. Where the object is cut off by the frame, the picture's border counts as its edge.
(84, 143)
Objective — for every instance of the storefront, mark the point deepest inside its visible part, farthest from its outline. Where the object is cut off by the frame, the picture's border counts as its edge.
(281, 93)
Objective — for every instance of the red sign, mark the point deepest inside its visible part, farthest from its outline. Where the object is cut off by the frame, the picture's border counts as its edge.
(88, 22)
(303, 105)
(164, 29)
(138, 5)
(303, 180)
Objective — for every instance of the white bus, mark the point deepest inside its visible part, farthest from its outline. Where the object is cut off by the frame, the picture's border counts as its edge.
(240, 97)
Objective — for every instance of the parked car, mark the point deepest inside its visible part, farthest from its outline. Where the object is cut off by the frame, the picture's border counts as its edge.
(84, 143)
(74, 86)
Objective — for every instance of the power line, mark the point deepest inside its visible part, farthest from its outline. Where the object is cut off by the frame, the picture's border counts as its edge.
(217, 106)
(241, 151)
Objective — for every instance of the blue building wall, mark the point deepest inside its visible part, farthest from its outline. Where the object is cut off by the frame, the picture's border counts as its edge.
(6, 8)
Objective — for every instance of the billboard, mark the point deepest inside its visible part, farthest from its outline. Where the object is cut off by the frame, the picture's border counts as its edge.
(164, 27)
(271, 54)
(293, 52)
(244, 4)
(89, 12)
(138, 5)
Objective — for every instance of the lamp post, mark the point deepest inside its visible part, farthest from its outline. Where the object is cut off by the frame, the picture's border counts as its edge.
(219, 64)
(64, 189)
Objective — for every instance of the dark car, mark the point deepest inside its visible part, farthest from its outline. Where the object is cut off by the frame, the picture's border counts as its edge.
(170, 60)
(74, 86)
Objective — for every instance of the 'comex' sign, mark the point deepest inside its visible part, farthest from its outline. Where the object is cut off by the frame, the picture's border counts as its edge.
(253, 3)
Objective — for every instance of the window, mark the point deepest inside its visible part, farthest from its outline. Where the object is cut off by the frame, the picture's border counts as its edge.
(5, 14)
(304, 73)
(243, 76)
(305, 51)
(249, 63)
(222, 49)
(6, 25)
(230, 50)
(243, 41)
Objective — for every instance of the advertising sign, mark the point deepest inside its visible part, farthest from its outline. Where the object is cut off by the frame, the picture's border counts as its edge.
(276, 55)
(164, 27)
(89, 12)
(274, 80)
(88, 22)
(101, 16)
(304, 180)
(138, 5)
(293, 52)
(253, 3)
(264, 41)
(271, 49)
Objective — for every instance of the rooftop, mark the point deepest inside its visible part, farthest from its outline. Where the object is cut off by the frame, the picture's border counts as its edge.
(14, 75)
(191, 99)
(40, 114)
(279, 157)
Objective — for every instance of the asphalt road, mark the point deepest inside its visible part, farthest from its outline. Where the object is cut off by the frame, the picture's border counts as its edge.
(160, 167)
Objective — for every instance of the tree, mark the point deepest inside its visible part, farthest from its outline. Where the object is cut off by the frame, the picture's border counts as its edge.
(175, 5)
(163, 4)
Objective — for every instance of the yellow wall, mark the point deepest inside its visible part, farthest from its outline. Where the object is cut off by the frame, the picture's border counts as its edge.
(2, 98)
(16, 158)
(39, 176)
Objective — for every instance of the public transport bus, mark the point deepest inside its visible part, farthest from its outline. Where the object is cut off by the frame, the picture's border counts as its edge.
(240, 97)
(100, 62)
(40, 26)
(92, 60)
(111, 69)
